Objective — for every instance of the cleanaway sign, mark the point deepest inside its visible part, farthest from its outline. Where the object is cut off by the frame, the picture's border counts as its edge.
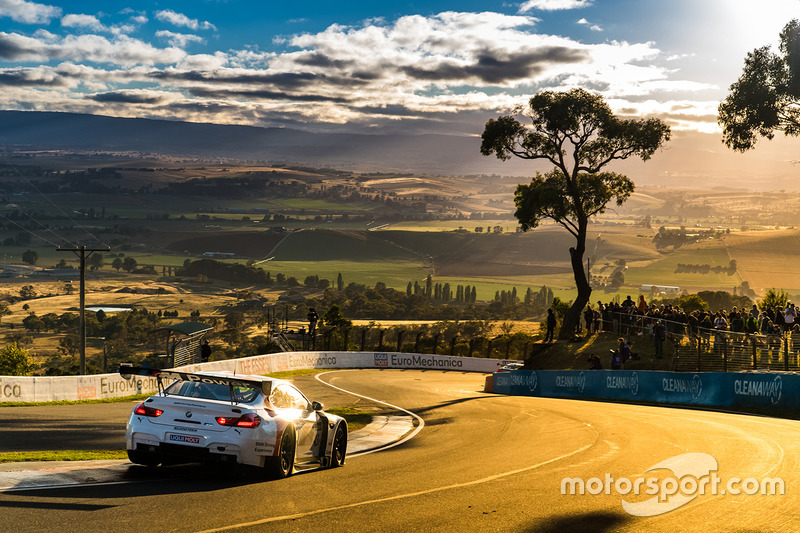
(766, 390)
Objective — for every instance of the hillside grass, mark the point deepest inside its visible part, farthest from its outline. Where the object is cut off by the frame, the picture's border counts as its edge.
(664, 271)
(568, 355)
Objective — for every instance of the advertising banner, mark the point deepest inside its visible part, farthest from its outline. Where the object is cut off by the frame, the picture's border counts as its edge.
(765, 390)
(70, 388)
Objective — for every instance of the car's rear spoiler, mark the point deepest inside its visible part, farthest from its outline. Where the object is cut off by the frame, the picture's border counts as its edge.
(127, 371)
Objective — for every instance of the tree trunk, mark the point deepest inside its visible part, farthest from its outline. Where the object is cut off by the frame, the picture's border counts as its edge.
(573, 316)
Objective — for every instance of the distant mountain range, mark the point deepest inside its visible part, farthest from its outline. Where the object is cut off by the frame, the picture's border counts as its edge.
(413, 153)
(689, 159)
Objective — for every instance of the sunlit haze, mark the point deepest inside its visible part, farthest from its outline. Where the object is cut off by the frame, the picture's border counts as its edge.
(388, 67)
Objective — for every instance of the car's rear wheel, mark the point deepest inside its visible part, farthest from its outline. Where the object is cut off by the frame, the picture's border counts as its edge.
(140, 457)
(339, 450)
(283, 465)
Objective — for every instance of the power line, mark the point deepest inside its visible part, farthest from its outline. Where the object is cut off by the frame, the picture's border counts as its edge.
(63, 239)
(92, 236)
(23, 228)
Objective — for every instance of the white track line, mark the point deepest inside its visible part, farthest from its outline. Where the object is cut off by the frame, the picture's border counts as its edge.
(392, 445)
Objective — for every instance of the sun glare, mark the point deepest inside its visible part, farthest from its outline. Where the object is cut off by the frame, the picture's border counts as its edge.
(755, 24)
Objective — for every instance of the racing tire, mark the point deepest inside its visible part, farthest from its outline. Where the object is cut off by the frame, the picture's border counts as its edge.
(282, 466)
(339, 450)
(143, 458)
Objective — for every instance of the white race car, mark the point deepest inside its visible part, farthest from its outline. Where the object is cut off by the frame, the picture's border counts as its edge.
(219, 416)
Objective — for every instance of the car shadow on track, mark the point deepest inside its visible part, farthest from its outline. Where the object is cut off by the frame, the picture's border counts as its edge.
(593, 522)
(138, 481)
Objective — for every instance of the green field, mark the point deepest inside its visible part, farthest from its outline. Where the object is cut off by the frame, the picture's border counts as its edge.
(399, 244)
(395, 274)
(664, 271)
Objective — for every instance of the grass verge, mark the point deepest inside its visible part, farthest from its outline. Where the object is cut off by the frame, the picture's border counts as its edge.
(573, 355)
(62, 455)
(77, 402)
(356, 418)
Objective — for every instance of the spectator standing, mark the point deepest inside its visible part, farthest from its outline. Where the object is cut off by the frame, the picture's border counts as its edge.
(616, 360)
(789, 314)
(720, 324)
(628, 303)
(642, 307)
(659, 335)
(588, 317)
(551, 326)
(205, 352)
(313, 318)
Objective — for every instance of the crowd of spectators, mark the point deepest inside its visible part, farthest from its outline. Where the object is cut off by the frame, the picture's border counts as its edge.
(629, 316)
(660, 322)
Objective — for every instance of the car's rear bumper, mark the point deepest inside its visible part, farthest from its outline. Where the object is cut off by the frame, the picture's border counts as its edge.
(244, 452)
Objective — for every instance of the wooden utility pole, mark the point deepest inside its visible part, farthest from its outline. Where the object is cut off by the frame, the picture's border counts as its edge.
(80, 251)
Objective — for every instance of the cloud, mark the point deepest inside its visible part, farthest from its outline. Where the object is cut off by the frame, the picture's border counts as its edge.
(415, 71)
(181, 20)
(179, 39)
(492, 68)
(35, 77)
(28, 12)
(593, 27)
(264, 95)
(121, 50)
(89, 22)
(552, 5)
(133, 97)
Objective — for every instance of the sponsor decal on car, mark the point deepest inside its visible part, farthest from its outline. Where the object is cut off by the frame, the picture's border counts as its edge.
(187, 439)
(266, 448)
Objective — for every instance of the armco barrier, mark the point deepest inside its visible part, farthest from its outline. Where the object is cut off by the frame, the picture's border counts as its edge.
(762, 390)
(44, 389)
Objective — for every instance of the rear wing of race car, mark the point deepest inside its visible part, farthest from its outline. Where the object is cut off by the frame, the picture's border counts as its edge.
(127, 371)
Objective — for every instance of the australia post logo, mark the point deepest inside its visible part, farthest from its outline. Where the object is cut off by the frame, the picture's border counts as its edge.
(381, 359)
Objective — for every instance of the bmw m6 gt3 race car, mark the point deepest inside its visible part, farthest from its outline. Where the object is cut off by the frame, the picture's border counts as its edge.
(219, 416)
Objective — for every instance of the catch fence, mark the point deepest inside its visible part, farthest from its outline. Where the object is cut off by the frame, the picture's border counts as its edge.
(698, 349)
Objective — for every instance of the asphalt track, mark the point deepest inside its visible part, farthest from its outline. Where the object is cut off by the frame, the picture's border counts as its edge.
(481, 463)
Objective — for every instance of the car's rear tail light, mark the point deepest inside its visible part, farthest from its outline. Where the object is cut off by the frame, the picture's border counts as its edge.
(145, 410)
(250, 420)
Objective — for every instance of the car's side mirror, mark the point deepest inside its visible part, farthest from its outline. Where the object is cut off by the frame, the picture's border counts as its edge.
(316, 406)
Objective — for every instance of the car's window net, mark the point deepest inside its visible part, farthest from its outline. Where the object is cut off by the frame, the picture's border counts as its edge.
(212, 391)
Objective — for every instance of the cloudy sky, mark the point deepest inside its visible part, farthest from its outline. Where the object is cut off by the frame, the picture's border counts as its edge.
(391, 66)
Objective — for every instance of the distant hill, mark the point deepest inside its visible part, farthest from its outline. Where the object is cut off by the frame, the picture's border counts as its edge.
(416, 153)
(689, 159)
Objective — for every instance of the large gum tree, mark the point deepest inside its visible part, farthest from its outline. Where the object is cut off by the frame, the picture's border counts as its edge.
(576, 132)
(766, 97)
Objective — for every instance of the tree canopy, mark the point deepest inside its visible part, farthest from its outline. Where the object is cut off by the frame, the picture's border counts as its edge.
(15, 361)
(576, 132)
(766, 97)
